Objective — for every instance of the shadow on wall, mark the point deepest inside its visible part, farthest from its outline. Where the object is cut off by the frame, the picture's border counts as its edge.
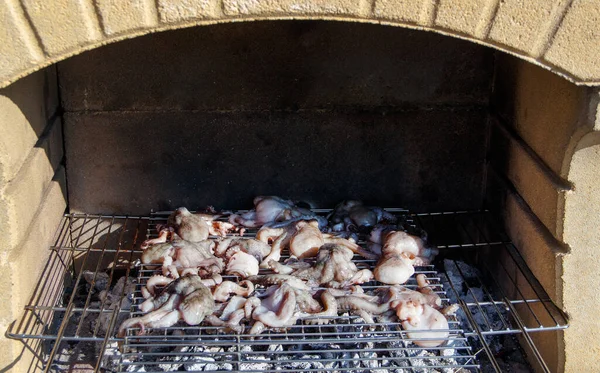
(32, 193)
(30, 119)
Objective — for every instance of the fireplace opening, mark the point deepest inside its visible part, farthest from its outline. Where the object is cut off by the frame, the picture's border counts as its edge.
(456, 139)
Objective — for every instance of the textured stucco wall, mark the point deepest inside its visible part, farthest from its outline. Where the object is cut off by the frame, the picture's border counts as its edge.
(547, 116)
(582, 340)
(560, 35)
(32, 196)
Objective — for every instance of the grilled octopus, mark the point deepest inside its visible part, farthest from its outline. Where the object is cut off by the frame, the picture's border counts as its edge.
(181, 255)
(273, 210)
(353, 215)
(303, 239)
(399, 254)
(186, 298)
(196, 227)
(333, 268)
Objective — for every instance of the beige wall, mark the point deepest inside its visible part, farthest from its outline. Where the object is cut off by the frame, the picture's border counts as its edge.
(32, 195)
(547, 116)
(580, 278)
(560, 35)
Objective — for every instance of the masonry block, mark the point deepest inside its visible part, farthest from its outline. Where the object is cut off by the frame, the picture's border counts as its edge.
(186, 10)
(24, 193)
(518, 24)
(290, 7)
(460, 15)
(225, 159)
(23, 267)
(544, 262)
(31, 256)
(63, 25)
(8, 347)
(16, 50)
(509, 158)
(544, 109)
(117, 16)
(580, 277)
(24, 109)
(399, 10)
(576, 45)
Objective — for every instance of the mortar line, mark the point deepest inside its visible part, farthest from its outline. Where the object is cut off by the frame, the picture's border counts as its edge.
(220, 8)
(545, 38)
(487, 19)
(100, 18)
(340, 110)
(92, 18)
(428, 12)
(27, 30)
(365, 7)
(49, 125)
(151, 16)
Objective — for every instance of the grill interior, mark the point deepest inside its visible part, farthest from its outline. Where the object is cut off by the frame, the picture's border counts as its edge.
(500, 299)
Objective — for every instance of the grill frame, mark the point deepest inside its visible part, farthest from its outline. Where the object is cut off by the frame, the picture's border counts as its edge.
(472, 237)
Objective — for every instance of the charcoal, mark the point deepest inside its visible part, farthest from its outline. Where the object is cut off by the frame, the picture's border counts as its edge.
(100, 280)
(197, 363)
(399, 356)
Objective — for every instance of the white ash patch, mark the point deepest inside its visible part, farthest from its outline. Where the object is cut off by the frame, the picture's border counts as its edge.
(199, 363)
(136, 368)
(448, 352)
(465, 286)
(110, 361)
(357, 348)
(255, 366)
(172, 363)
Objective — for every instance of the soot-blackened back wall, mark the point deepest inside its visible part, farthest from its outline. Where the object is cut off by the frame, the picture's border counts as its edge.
(315, 111)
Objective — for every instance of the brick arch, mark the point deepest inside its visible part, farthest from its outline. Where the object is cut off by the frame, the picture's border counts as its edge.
(580, 232)
(560, 35)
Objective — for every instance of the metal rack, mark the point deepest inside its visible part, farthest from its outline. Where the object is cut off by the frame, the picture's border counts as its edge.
(69, 319)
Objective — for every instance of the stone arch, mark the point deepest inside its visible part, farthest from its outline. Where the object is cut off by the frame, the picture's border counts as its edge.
(580, 232)
(559, 35)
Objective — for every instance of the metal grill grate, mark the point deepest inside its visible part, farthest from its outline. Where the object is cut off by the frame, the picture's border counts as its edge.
(478, 268)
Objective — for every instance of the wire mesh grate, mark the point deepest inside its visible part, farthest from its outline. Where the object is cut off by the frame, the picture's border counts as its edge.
(91, 283)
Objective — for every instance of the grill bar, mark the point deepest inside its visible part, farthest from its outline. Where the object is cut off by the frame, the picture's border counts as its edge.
(502, 297)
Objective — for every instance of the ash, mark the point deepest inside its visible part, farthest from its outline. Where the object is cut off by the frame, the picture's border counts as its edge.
(356, 347)
(82, 356)
(465, 279)
(319, 357)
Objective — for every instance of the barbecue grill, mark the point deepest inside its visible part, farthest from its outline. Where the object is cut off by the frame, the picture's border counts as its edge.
(478, 268)
(144, 105)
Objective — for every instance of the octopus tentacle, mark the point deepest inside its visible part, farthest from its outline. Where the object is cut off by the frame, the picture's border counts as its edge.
(278, 279)
(157, 280)
(216, 279)
(226, 288)
(330, 310)
(162, 238)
